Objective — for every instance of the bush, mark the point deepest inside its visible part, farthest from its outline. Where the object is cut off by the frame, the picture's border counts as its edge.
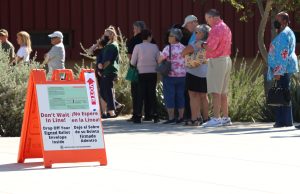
(246, 96)
(122, 87)
(161, 109)
(13, 88)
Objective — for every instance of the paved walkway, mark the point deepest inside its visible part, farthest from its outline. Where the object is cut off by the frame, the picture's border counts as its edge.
(245, 158)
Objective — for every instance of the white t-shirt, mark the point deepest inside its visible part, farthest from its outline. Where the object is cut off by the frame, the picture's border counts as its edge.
(23, 53)
(56, 57)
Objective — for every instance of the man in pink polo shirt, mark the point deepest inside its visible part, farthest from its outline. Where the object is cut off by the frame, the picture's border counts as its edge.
(218, 50)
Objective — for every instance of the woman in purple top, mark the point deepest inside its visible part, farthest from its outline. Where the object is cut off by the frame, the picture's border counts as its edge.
(145, 57)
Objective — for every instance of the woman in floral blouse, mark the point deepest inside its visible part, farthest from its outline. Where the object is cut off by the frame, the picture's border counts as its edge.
(282, 63)
(174, 83)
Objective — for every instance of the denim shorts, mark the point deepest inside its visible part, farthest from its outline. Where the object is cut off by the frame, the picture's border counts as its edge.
(173, 89)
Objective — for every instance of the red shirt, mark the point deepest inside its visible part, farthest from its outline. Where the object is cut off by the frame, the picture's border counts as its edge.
(219, 41)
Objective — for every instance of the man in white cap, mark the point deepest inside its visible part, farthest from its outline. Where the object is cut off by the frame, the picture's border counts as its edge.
(190, 23)
(55, 58)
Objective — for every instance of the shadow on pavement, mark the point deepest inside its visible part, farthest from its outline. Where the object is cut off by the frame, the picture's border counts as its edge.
(30, 166)
(287, 136)
(118, 126)
(21, 166)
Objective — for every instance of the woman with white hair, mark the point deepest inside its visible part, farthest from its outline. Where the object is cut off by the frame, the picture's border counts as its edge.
(196, 76)
(174, 82)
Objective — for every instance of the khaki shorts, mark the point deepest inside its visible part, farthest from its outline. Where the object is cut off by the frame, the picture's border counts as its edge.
(218, 75)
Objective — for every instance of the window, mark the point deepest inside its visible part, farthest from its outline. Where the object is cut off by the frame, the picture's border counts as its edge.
(41, 39)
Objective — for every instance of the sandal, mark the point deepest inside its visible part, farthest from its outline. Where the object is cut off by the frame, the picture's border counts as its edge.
(193, 123)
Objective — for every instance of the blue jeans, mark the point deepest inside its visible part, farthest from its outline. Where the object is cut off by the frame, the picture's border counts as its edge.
(173, 89)
(284, 114)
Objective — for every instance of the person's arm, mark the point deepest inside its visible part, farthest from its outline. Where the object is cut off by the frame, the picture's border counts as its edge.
(281, 54)
(164, 54)
(12, 53)
(134, 56)
(157, 55)
(18, 59)
(130, 48)
(54, 51)
(212, 42)
(187, 50)
(19, 56)
(109, 56)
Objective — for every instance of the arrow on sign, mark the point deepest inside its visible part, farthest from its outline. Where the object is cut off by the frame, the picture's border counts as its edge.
(90, 81)
(92, 91)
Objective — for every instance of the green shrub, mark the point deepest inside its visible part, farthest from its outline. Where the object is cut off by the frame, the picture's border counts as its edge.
(161, 109)
(246, 96)
(13, 88)
(122, 86)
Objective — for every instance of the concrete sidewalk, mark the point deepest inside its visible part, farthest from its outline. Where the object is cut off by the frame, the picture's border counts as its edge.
(245, 158)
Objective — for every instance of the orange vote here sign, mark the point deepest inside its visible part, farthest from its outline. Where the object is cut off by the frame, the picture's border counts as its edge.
(62, 122)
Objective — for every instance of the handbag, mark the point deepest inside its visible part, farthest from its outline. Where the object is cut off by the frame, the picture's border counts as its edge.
(192, 61)
(278, 96)
(164, 67)
(196, 59)
(132, 74)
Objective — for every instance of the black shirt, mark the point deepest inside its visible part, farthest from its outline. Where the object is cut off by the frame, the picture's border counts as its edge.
(132, 42)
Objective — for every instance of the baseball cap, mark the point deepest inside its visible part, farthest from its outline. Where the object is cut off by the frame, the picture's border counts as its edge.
(3, 32)
(188, 19)
(57, 34)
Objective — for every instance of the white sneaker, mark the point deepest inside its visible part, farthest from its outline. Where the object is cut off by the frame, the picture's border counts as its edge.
(213, 122)
(226, 121)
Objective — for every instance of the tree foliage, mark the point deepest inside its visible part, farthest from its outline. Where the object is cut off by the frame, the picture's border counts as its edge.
(268, 9)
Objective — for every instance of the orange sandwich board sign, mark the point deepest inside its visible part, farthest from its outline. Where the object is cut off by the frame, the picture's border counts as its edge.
(62, 122)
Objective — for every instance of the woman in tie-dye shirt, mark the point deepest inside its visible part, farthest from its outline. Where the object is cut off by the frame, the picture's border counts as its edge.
(282, 63)
(174, 83)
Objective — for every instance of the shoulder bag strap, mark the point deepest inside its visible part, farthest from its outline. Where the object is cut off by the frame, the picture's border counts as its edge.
(170, 52)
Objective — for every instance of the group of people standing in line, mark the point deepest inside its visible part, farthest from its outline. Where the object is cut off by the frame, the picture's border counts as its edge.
(200, 65)
(55, 58)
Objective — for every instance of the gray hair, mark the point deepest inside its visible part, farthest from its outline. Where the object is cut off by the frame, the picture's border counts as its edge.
(140, 24)
(213, 13)
(177, 33)
(204, 29)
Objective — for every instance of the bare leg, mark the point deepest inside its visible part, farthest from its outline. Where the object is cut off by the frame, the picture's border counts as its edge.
(224, 105)
(204, 106)
(112, 113)
(103, 106)
(195, 105)
(216, 104)
(180, 111)
(171, 113)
